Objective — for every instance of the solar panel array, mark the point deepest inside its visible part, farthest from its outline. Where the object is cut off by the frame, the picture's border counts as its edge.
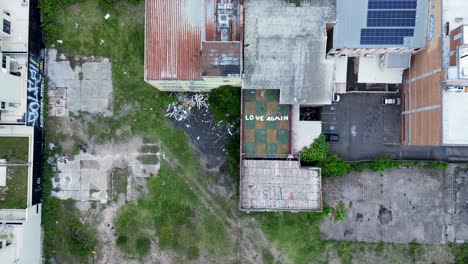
(385, 35)
(394, 18)
(392, 4)
(389, 22)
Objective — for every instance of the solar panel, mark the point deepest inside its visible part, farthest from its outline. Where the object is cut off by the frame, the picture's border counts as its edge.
(6, 26)
(389, 22)
(391, 18)
(392, 4)
(385, 36)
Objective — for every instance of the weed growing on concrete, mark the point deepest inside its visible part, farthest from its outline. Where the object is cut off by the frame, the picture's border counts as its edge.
(339, 212)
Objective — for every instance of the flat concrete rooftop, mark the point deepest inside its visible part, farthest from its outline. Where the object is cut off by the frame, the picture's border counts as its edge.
(285, 48)
(19, 18)
(279, 185)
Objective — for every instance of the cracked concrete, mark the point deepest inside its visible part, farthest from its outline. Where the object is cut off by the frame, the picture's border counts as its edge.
(404, 205)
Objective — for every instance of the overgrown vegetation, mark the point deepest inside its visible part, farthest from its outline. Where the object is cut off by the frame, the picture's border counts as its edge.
(225, 103)
(66, 237)
(460, 253)
(232, 165)
(297, 234)
(317, 155)
(334, 166)
(317, 152)
(175, 213)
(119, 180)
(383, 163)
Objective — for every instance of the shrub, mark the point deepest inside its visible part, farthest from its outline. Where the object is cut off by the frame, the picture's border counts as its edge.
(438, 165)
(334, 166)
(142, 246)
(383, 163)
(225, 103)
(317, 152)
(339, 212)
(121, 240)
(233, 161)
(81, 239)
(193, 252)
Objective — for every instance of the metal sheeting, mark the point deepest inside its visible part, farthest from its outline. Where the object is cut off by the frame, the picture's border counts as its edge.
(174, 31)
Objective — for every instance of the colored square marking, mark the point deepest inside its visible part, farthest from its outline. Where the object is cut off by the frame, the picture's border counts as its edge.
(283, 109)
(249, 148)
(260, 136)
(249, 96)
(283, 136)
(272, 124)
(260, 108)
(249, 124)
(260, 149)
(282, 148)
(272, 108)
(273, 95)
(249, 107)
(261, 95)
(260, 125)
(249, 135)
(284, 124)
(271, 149)
(271, 136)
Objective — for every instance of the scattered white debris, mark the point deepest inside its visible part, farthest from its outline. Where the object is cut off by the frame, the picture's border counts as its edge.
(125, 73)
(199, 100)
(76, 25)
(59, 41)
(107, 16)
(102, 42)
(181, 109)
(198, 138)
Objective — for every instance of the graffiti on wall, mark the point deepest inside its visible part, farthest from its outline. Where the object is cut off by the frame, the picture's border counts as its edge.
(35, 82)
(263, 118)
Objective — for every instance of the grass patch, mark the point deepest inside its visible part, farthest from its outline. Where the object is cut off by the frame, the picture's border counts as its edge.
(149, 159)
(149, 149)
(175, 213)
(15, 194)
(298, 235)
(460, 253)
(380, 164)
(142, 246)
(268, 258)
(14, 149)
(119, 183)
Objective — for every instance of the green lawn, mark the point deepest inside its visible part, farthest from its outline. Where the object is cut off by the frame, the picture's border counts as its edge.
(15, 194)
(14, 149)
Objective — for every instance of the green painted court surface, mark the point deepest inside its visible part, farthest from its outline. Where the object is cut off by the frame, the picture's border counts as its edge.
(266, 130)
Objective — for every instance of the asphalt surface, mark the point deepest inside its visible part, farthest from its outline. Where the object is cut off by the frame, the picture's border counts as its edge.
(368, 130)
(208, 136)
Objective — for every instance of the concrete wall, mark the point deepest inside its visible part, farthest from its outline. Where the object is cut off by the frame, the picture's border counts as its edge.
(204, 85)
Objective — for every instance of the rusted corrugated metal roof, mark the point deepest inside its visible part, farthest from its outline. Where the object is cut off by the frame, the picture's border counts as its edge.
(174, 32)
(221, 58)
